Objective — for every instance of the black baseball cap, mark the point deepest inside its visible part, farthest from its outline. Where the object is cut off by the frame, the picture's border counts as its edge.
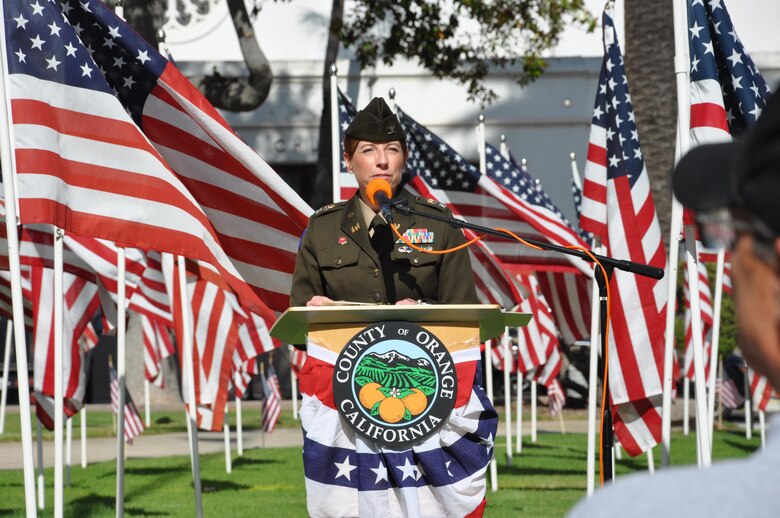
(743, 174)
(376, 123)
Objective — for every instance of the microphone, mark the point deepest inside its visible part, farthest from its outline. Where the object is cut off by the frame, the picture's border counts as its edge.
(378, 192)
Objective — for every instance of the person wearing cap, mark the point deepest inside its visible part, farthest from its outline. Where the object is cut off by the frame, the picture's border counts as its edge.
(734, 189)
(349, 252)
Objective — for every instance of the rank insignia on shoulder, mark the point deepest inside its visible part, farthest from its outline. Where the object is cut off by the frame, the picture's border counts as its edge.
(418, 236)
(435, 203)
(327, 208)
(342, 240)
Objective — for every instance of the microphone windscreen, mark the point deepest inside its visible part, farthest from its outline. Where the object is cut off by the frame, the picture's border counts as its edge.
(378, 185)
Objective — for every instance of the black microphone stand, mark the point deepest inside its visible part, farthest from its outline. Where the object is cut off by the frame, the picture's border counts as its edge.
(609, 265)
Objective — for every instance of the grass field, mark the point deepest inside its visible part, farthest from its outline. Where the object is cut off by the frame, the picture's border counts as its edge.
(545, 480)
(100, 424)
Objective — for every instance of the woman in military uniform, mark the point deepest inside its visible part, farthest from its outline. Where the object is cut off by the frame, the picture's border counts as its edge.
(348, 251)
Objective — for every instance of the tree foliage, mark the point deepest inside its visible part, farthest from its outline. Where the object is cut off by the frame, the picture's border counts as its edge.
(461, 39)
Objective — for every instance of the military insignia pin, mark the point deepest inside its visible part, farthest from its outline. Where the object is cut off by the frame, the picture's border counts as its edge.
(342, 240)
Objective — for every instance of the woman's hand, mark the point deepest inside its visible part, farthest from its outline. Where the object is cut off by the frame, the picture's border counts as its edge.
(406, 302)
(318, 300)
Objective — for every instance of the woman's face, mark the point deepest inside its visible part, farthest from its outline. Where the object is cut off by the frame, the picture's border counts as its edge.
(372, 160)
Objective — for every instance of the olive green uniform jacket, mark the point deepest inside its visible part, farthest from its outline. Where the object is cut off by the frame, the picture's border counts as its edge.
(336, 259)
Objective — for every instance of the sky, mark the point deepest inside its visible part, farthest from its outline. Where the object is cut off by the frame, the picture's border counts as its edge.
(755, 21)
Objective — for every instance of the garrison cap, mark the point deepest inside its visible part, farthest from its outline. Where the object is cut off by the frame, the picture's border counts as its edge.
(376, 123)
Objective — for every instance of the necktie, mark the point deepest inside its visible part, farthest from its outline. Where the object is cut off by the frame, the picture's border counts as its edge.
(382, 239)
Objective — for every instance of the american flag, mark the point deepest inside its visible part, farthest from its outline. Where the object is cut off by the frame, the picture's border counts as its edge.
(438, 172)
(730, 395)
(272, 399)
(134, 425)
(556, 397)
(760, 390)
(82, 85)
(80, 305)
(568, 294)
(705, 303)
(242, 376)
(567, 289)
(215, 320)
(576, 193)
(347, 183)
(618, 207)
(727, 90)
(297, 360)
(709, 256)
(157, 346)
(534, 341)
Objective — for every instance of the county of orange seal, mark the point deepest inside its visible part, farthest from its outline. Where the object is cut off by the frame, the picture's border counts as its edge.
(395, 383)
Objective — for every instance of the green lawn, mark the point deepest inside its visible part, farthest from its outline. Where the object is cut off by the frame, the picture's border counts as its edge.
(545, 480)
(100, 424)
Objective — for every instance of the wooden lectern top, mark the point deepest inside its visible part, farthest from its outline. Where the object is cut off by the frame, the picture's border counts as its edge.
(291, 327)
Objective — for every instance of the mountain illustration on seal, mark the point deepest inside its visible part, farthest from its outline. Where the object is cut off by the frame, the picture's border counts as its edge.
(393, 369)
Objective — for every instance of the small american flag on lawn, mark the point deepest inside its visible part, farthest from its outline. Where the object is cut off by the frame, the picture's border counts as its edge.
(556, 397)
(272, 399)
(134, 425)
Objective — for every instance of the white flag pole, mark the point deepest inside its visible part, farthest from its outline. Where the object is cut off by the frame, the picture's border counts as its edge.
(595, 345)
(11, 220)
(488, 360)
(681, 64)
(59, 496)
(533, 411)
(720, 396)
(593, 380)
(334, 134)
(120, 374)
(226, 433)
(686, 405)
(239, 429)
(294, 387)
(505, 343)
(83, 430)
(147, 410)
(9, 329)
(519, 403)
(189, 373)
(762, 424)
(40, 476)
(748, 408)
(68, 450)
(699, 380)
(719, 267)
(650, 461)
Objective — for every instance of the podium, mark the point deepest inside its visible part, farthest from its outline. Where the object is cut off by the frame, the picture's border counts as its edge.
(395, 422)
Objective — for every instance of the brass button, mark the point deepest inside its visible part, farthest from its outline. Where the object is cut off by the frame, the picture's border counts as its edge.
(338, 261)
(377, 297)
(416, 260)
(375, 272)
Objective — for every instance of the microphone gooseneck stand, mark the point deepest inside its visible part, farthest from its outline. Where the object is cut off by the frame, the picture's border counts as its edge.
(609, 264)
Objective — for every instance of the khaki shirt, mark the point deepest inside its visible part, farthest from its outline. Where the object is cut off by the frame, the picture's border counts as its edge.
(336, 258)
